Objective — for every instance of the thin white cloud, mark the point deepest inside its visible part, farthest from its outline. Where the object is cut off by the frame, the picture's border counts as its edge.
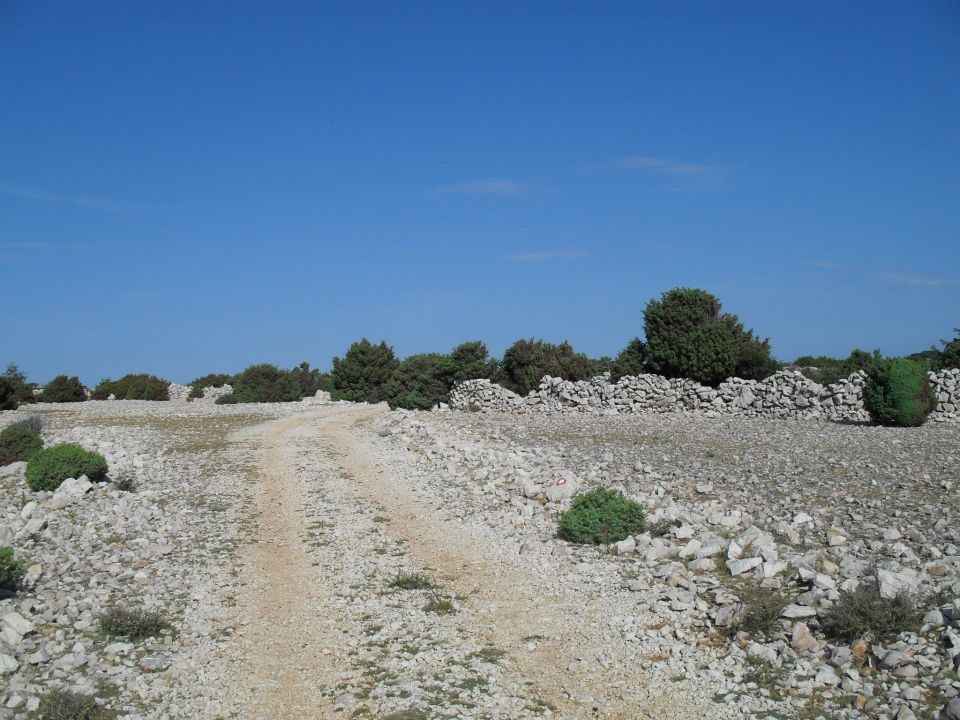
(487, 186)
(824, 264)
(88, 203)
(664, 166)
(544, 255)
(916, 279)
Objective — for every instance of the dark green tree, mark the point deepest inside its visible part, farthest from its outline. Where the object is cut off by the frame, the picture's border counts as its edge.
(8, 394)
(23, 390)
(471, 361)
(898, 393)
(688, 337)
(527, 361)
(363, 373)
(630, 360)
(420, 382)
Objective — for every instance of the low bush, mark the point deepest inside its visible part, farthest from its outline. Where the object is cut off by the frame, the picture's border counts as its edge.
(601, 516)
(630, 360)
(228, 399)
(898, 392)
(11, 568)
(133, 387)
(17, 443)
(864, 613)
(33, 423)
(64, 389)
(134, 624)
(67, 705)
(265, 383)
(412, 581)
(760, 612)
(51, 466)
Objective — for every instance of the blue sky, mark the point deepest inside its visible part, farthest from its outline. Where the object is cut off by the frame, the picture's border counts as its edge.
(192, 187)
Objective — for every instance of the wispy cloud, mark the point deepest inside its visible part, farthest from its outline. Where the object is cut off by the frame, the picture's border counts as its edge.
(916, 279)
(665, 166)
(892, 278)
(544, 255)
(487, 186)
(88, 203)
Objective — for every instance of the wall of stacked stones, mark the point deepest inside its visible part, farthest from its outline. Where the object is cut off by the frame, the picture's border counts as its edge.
(786, 394)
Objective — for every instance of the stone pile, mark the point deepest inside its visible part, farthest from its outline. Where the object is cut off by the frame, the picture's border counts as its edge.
(178, 392)
(946, 386)
(483, 395)
(786, 394)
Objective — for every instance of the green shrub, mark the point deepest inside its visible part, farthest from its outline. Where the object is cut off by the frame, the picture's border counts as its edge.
(17, 443)
(864, 613)
(133, 387)
(363, 373)
(68, 705)
(760, 612)
(688, 337)
(228, 399)
(412, 581)
(64, 389)
(420, 382)
(630, 361)
(11, 568)
(265, 383)
(22, 390)
(51, 466)
(205, 381)
(898, 393)
(135, 624)
(471, 361)
(309, 380)
(601, 516)
(8, 395)
(33, 423)
(527, 361)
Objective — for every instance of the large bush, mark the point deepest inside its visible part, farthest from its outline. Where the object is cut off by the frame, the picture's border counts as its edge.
(50, 467)
(64, 389)
(265, 383)
(363, 373)
(420, 382)
(527, 361)
(600, 516)
(898, 393)
(17, 444)
(133, 387)
(688, 337)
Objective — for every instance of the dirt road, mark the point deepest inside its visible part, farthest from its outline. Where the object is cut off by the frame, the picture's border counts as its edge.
(321, 618)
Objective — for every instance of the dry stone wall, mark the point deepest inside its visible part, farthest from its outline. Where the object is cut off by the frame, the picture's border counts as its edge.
(786, 394)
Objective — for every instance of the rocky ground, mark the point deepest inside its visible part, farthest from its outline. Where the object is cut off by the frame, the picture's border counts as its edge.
(335, 560)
